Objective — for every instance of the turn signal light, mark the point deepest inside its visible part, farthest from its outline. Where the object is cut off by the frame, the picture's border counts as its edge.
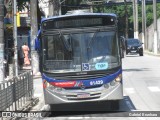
(119, 78)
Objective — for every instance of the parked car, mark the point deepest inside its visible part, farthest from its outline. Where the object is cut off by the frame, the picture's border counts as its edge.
(134, 46)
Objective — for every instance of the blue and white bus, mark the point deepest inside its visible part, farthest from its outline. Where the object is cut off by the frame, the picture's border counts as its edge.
(80, 58)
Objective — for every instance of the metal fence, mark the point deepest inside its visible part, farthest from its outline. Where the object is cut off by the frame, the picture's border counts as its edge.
(16, 92)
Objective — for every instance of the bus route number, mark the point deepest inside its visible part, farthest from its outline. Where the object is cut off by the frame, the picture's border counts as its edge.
(101, 66)
(97, 82)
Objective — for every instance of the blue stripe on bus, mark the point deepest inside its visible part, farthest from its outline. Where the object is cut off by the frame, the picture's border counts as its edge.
(87, 82)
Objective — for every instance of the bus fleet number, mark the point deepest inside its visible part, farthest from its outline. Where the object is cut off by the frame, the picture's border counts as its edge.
(97, 82)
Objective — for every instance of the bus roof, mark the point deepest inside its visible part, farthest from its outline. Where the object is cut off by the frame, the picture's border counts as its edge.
(79, 14)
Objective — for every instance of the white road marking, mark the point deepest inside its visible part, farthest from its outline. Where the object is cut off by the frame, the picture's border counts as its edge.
(154, 89)
(129, 90)
(75, 118)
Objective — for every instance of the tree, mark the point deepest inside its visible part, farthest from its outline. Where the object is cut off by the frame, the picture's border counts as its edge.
(22, 4)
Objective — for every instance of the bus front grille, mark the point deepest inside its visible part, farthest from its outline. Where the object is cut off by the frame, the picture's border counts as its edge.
(78, 88)
(75, 97)
(83, 98)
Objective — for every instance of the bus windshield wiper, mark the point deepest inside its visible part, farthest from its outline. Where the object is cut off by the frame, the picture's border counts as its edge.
(92, 39)
(66, 43)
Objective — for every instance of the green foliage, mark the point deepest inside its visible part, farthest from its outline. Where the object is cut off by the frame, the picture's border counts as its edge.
(119, 10)
(22, 4)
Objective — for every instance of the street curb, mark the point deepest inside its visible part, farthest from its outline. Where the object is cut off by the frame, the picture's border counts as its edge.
(37, 76)
(151, 53)
(30, 104)
(42, 107)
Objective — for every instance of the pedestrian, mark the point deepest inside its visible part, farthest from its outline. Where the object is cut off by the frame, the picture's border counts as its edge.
(25, 49)
(20, 57)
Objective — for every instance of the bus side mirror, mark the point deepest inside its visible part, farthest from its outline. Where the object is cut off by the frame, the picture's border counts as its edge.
(37, 44)
(122, 47)
(37, 41)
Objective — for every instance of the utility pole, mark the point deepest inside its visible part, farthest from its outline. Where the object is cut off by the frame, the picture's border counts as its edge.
(34, 30)
(135, 15)
(155, 25)
(60, 10)
(15, 37)
(91, 7)
(60, 7)
(126, 12)
(143, 22)
(1, 40)
(54, 8)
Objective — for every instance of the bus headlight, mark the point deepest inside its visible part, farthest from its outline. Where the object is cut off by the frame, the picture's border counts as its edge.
(52, 87)
(58, 89)
(55, 88)
(119, 78)
(116, 80)
(113, 83)
(106, 86)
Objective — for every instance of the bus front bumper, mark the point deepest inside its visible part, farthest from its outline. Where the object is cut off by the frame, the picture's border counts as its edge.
(85, 95)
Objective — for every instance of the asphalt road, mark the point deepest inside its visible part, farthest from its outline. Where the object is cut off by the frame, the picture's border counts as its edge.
(141, 86)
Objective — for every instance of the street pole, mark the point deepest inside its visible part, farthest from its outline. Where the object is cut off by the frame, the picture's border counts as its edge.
(15, 37)
(54, 8)
(91, 8)
(34, 30)
(1, 40)
(126, 12)
(143, 22)
(60, 10)
(50, 9)
(135, 18)
(155, 25)
(136, 8)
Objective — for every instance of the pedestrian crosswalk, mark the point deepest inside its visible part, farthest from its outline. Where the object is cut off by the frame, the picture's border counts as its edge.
(154, 89)
(150, 88)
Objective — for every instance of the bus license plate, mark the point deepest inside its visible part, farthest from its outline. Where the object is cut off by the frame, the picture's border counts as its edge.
(84, 95)
(133, 51)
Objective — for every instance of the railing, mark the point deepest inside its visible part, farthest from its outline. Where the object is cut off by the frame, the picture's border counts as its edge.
(16, 92)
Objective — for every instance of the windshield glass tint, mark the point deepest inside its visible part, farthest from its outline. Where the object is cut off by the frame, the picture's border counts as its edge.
(133, 42)
(91, 51)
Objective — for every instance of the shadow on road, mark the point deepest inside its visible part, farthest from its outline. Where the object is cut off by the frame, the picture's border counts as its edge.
(133, 55)
(94, 109)
(136, 69)
(128, 104)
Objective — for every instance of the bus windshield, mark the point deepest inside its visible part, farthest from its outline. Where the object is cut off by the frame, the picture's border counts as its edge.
(76, 52)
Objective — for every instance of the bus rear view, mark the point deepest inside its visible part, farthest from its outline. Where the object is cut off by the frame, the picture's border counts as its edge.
(80, 59)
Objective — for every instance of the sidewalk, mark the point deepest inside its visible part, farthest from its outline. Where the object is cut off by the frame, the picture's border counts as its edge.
(22, 70)
(38, 90)
(151, 53)
(38, 96)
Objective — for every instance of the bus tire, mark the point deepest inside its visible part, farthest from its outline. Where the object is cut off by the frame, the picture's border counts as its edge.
(115, 105)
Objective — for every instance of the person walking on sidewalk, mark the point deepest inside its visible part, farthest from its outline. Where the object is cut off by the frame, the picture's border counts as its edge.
(25, 49)
(20, 57)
